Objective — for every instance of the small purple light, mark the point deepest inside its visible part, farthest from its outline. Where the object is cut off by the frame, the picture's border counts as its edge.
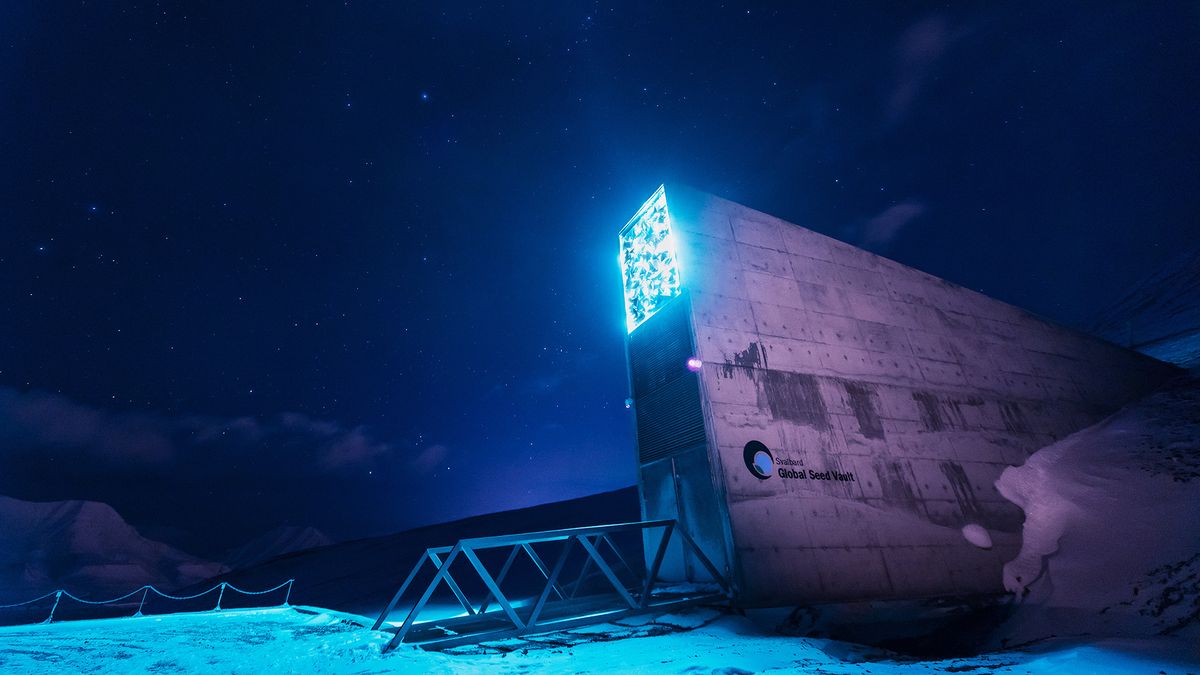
(693, 364)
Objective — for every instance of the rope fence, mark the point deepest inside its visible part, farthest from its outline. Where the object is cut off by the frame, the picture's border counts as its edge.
(63, 594)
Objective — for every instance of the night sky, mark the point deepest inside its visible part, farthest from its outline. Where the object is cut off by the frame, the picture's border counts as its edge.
(353, 265)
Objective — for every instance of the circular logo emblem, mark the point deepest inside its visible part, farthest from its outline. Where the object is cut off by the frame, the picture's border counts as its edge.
(759, 460)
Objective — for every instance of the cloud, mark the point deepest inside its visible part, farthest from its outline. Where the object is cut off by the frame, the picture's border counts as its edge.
(213, 482)
(352, 448)
(883, 229)
(52, 426)
(920, 48)
(431, 458)
(55, 422)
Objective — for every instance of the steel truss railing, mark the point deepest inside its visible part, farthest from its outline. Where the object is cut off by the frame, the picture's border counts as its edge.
(591, 540)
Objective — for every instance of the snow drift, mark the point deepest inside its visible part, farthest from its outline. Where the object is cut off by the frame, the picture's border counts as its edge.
(85, 547)
(1112, 530)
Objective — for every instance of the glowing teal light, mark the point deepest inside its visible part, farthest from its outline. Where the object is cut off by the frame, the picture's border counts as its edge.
(648, 264)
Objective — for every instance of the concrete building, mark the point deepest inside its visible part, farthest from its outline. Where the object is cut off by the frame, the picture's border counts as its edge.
(828, 424)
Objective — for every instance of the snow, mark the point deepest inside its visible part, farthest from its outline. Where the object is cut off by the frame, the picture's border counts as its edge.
(977, 535)
(306, 639)
(1112, 533)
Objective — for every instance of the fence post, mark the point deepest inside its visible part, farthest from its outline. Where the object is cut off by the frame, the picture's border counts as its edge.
(220, 596)
(57, 597)
(141, 604)
(288, 598)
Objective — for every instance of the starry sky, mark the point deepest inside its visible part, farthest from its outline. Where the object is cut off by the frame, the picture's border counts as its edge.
(353, 265)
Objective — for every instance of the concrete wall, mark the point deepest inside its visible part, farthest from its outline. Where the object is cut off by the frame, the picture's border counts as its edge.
(899, 397)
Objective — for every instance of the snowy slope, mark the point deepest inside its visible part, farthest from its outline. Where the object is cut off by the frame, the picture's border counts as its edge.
(309, 640)
(1112, 524)
(1160, 316)
(361, 575)
(84, 547)
(274, 543)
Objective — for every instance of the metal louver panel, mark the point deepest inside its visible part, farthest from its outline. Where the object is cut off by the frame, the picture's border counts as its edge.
(666, 394)
(669, 420)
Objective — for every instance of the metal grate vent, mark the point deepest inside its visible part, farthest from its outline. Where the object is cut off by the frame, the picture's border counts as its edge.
(666, 394)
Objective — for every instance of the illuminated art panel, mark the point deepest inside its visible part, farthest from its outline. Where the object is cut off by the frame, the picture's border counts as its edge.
(648, 264)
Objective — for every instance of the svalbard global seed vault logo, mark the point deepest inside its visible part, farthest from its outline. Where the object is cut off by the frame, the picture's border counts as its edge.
(759, 460)
(762, 465)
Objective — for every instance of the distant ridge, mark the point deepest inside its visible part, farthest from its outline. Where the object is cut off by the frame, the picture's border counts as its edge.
(361, 575)
(87, 548)
(1160, 315)
(276, 542)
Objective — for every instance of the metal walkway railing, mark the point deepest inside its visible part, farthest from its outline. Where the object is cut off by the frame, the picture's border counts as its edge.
(127, 599)
(623, 589)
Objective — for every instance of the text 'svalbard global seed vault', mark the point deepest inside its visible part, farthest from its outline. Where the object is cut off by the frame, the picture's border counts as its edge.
(825, 422)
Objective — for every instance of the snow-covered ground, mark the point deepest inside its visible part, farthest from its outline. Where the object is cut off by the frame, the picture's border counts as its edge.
(309, 640)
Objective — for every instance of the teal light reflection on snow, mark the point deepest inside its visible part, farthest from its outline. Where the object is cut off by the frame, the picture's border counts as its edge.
(648, 264)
